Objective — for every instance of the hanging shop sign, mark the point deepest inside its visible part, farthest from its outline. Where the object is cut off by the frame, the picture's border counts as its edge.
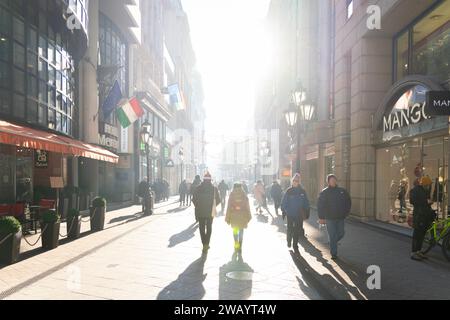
(41, 159)
(438, 103)
(170, 163)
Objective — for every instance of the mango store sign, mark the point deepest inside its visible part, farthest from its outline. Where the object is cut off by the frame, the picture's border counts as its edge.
(410, 109)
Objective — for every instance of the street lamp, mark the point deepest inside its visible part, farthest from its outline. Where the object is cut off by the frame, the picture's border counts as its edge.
(147, 138)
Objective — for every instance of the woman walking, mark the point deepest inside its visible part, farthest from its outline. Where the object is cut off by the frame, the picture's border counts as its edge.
(260, 196)
(238, 215)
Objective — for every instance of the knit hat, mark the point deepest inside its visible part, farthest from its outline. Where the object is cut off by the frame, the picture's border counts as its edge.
(207, 176)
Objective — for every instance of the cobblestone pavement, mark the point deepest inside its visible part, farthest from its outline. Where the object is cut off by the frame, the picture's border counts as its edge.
(159, 257)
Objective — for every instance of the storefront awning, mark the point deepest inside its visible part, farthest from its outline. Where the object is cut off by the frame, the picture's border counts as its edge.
(25, 137)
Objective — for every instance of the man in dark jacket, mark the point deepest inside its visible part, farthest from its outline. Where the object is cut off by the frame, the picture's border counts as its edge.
(422, 217)
(203, 200)
(277, 194)
(144, 193)
(334, 206)
(223, 190)
(294, 203)
(183, 192)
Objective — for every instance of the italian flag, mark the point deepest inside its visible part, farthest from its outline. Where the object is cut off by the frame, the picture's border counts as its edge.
(129, 112)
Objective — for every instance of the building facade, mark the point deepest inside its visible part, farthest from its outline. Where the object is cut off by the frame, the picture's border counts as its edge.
(371, 127)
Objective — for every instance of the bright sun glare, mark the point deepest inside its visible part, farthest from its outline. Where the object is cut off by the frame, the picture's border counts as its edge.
(232, 51)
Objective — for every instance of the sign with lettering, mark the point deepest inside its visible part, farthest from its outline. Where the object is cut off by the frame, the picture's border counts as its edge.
(408, 110)
(56, 182)
(41, 159)
(108, 142)
(438, 103)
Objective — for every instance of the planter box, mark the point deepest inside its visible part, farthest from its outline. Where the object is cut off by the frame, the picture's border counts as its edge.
(50, 237)
(10, 249)
(97, 218)
(74, 232)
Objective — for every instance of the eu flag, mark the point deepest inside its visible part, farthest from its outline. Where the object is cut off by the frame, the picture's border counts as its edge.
(112, 100)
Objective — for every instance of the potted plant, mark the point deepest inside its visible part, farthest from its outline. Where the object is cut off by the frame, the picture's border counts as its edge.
(73, 223)
(97, 213)
(50, 225)
(10, 238)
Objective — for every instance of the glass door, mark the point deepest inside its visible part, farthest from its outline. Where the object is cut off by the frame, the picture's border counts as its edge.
(24, 175)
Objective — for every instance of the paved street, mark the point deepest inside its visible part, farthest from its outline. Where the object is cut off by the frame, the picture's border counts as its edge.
(159, 257)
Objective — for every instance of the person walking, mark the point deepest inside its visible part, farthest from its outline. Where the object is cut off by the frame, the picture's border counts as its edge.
(238, 215)
(294, 206)
(333, 207)
(205, 199)
(244, 187)
(197, 181)
(277, 194)
(422, 216)
(259, 193)
(223, 190)
(166, 189)
(183, 191)
(188, 193)
(144, 194)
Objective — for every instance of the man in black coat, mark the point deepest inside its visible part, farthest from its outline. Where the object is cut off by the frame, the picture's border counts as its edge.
(333, 207)
(422, 217)
(203, 200)
(277, 194)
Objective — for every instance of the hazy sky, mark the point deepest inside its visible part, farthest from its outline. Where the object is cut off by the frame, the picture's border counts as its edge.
(227, 37)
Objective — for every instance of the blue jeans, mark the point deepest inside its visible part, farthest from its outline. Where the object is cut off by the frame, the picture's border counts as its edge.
(336, 232)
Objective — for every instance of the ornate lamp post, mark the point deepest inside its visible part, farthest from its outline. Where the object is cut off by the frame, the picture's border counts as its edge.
(147, 138)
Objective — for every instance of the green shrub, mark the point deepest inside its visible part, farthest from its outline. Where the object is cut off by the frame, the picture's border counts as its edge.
(9, 225)
(50, 216)
(99, 202)
(73, 213)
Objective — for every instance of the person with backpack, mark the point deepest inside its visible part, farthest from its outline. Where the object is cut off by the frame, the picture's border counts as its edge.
(205, 199)
(333, 207)
(295, 206)
(238, 215)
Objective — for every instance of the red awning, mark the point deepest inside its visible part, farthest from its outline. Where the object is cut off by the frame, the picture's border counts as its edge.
(25, 137)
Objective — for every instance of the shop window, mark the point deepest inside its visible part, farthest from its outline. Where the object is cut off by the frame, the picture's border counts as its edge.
(19, 30)
(32, 63)
(19, 106)
(397, 168)
(7, 172)
(4, 75)
(402, 56)
(19, 55)
(5, 102)
(24, 175)
(32, 111)
(4, 48)
(19, 80)
(42, 115)
(32, 42)
(425, 47)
